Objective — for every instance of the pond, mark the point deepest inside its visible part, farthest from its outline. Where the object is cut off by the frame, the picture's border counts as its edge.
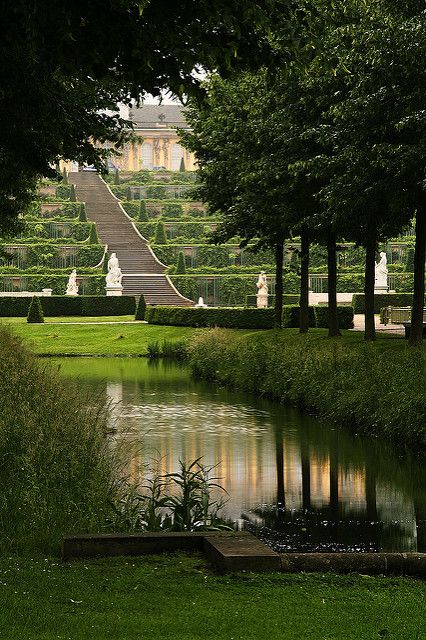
(299, 483)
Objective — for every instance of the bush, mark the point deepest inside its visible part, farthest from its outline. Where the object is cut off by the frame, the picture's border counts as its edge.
(73, 195)
(409, 261)
(64, 176)
(291, 315)
(382, 300)
(180, 266)
(143, 214)
(35, 313)
(288, 298)
(82, 214)
(93, 236)
(116, 177)
(141, 309)
(345, 315)
(236, 318)
(11, 307)
(160, 234)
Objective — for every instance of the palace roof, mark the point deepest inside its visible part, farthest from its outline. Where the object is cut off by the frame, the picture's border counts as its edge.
(152, 116)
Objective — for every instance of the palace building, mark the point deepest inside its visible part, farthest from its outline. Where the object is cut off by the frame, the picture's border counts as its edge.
(157, 145)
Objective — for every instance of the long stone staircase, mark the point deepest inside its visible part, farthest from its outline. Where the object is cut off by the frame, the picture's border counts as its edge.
(143, 273)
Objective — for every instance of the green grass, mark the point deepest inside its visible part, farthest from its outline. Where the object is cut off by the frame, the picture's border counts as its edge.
(95, 339)
(178, 598)
(73, 319)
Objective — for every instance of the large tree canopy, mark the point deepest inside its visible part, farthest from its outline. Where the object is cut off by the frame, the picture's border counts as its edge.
(63, 63)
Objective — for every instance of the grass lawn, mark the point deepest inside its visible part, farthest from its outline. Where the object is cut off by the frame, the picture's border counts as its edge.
(178, 598)
(78, 319)
(94, 339)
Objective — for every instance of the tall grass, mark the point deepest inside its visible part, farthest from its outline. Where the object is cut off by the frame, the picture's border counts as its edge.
(57, 474)
(376, 388)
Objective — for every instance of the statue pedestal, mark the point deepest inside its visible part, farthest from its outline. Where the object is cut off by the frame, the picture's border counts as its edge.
(114, 290)
(262, 301)
(379, 288)
(71, 293)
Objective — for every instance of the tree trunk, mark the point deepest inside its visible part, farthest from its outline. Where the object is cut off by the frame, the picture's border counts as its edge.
(279, 258)
(304, 282)
(333, 321)
(370, 276)
(416, 332)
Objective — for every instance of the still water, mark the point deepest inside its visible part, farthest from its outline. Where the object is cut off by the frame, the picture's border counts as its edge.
(299, 483)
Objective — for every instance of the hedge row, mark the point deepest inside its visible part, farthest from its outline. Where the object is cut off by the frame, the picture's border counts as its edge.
(242, 318)
(382, 300)
(70, 306)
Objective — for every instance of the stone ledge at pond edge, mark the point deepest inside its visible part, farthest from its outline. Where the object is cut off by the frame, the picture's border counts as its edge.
(240, 551)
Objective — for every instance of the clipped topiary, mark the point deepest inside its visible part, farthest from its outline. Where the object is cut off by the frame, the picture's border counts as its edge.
(140, 311)
(160, 234)
(93, 237)
(128, 193)
(143, 214)
(64, 176)
(116, 177)
(73, 197)
(409, 261)
(35, 312)
(182, 164)
(82, 214)
(180, 266)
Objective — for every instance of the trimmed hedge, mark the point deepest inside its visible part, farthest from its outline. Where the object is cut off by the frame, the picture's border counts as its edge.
(231, 318)
(382, 300)
(291, 313)
(345, 315)
(288, 298)
(70, 306)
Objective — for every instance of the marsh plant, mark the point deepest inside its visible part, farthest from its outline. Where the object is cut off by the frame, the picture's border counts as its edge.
(181, 501)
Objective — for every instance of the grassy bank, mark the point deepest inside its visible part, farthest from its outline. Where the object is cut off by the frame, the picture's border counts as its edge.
(377, 388)
(94, 339)
(168, 597)
(56, 472)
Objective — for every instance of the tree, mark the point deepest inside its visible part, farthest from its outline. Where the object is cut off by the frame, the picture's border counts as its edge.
(93, 236)
(82, 217)
(63, 70)
(116, 177)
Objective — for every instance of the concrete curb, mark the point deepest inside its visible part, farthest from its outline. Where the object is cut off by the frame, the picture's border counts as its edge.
(240, 551)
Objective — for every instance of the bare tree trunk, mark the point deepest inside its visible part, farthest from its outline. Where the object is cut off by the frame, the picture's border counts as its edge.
(416, 332)
(279, 258)
(370, 276)
(333, 321)
(304, 282)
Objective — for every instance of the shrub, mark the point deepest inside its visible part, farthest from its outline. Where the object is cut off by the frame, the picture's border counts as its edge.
(143, 214)
(61, 305)
(13, 307)
(237, 318)
(73, 196)
(182, 164)
(160, 234)
(64, 176)
(63, 191)
(180, 266)
(35, 312)
(141, 309)
(129, 194)
(291, 316)
(382, 300)
(82, 213)
(345, 315)
(93, 236)
(87, 305)
(116, 177)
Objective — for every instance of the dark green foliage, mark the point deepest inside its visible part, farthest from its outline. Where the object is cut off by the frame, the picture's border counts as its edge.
(172, 209)
(35, 312)
(56, 306)
(160, 234)
(382, 300)
(143, 214)
(141, 308)
(345, 316)
(409, 263)
(291, 314)
(182, 164)
(108, 305)
(64, 176)
(82, 213)
(156, 192)
(180, 266)
(116, 177)
(63, 191)
(14, 307)
(93, 236)
(236, 318)
(73, 196)
(128, 194)
(288, 298)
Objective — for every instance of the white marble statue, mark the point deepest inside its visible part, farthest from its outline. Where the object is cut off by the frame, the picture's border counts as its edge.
(114, 275)
(72, 286)
(262, 291)
(200, 304)
(381, 273)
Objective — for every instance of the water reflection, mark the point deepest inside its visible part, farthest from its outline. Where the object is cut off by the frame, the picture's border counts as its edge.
(298, 482)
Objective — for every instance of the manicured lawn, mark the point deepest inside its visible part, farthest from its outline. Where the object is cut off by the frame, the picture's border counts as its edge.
(178, 598)
(120, 339)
